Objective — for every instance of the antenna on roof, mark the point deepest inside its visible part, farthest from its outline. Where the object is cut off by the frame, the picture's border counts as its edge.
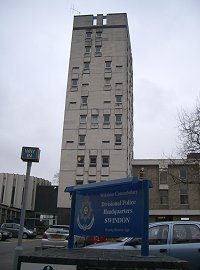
(75, 10)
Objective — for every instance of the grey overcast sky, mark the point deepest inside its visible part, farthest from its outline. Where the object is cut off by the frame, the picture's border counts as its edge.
(35, 39)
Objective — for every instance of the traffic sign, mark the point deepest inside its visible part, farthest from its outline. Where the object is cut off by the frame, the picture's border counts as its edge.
(31, 154)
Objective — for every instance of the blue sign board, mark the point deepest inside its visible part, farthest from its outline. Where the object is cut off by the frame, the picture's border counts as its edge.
(114, 208)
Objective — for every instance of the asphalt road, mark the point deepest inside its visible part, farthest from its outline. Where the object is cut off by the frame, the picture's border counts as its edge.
(7, 249)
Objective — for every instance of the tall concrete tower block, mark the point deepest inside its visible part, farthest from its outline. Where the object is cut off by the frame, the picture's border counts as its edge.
(97, 142)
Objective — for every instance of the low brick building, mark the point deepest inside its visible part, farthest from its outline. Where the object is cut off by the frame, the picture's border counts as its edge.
(176, 187)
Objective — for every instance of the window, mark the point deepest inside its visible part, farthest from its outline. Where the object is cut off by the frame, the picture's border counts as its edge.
(98, 49)
(75, 69)
(84, 100)
(118, 139)
(186, 233)
(119, 86)
(87, 50)
(158, 235)
(80, 161)
(183, 193)
(74, 82)
(90, 181)
(163, 177)
(105, 141)
(118, 99)
(95, 21)
(83, 119)
(79, 182)
(108, 64)
(2, 193)
(107, 101)
(86, 65)
(106, 119)
(98, 34)
(118, 119)
(107, 81)
(163, 197)
(93, 161)
(88, 34)
(12, 196)
(105, 161)
(183, 174)
(94, 119)
(81, 139)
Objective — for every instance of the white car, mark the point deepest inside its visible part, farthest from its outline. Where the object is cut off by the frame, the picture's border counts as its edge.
(57, 236)
(178, 239)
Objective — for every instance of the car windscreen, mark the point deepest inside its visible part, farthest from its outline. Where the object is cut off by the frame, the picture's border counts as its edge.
(57, 230)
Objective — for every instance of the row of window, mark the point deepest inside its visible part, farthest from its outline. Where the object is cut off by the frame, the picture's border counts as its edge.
(118, 139)
(106, 119)
(108, 65)
(88, 34)
(84, 100)
(181, 233)
(107, 82)
(163, 177)
(97, 50)
(93, 161)
(164, 198)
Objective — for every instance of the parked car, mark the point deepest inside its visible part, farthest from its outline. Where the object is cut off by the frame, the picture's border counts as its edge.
(178, 239)
(14, 229)
(57, 236)
(4, 235)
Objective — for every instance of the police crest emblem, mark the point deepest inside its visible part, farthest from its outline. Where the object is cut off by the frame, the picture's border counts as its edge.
(85, 219)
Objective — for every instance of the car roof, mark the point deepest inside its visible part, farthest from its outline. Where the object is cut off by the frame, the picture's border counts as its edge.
(174, 222)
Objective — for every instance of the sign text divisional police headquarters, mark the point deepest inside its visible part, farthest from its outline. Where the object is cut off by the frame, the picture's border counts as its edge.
(110, 207)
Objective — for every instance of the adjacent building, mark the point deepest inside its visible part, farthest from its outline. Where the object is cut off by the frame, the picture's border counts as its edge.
(11, 194)
(97, 142)
(176, 187)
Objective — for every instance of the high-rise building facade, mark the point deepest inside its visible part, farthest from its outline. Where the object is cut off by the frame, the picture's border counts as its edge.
(97, 142)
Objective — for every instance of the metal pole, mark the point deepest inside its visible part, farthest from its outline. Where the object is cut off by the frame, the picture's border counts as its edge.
(19, 248)
(71, 228)
(145, 232)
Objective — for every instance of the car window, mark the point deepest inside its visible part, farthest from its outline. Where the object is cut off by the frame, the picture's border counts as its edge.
(158, 235)
(57, 230)
(186, 233)
(8, 225)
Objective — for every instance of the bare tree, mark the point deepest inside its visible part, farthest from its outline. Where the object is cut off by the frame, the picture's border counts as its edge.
(189, 131)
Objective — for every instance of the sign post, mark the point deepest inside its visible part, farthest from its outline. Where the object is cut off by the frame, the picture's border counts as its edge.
(29, 154)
